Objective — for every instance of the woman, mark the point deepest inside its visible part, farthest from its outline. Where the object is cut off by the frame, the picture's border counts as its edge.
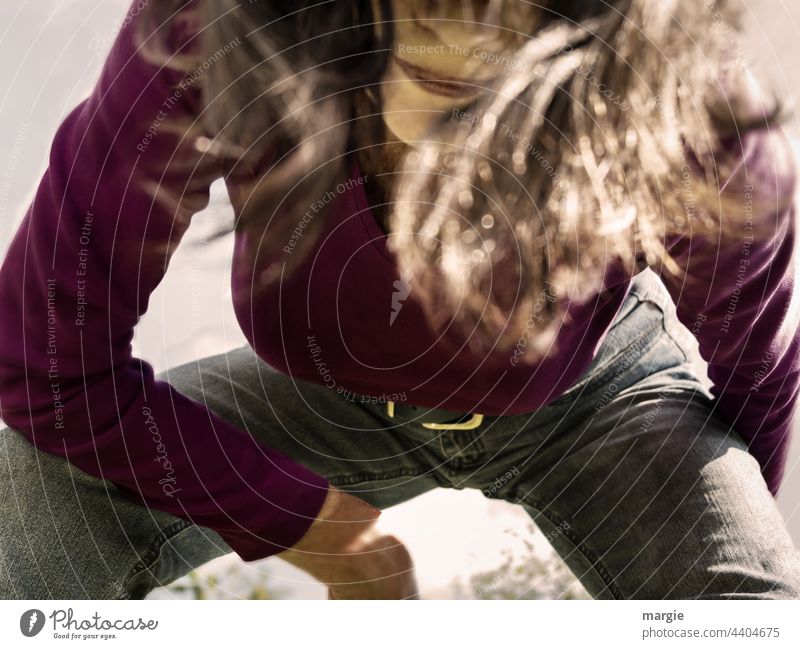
(451, 220)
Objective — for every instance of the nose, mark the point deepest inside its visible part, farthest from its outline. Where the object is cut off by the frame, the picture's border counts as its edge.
(465, 27)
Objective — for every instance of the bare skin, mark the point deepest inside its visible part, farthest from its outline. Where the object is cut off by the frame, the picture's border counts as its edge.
(344, 550)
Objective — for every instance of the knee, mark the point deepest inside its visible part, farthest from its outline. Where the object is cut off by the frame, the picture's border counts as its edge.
(776, 578)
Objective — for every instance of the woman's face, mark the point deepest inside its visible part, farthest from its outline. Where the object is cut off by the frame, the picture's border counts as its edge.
(444, 56)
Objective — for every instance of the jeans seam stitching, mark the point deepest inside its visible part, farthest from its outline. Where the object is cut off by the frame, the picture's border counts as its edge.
(156, 547)
(662, 309)
(641, 344)
(594, 563)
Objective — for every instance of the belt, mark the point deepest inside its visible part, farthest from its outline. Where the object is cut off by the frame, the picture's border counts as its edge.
(431, 418)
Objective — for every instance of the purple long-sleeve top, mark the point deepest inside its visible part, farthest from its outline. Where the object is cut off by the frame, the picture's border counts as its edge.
(95, 243)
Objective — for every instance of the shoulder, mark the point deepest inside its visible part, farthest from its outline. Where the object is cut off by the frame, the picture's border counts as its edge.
(759, 172)
(755, 160)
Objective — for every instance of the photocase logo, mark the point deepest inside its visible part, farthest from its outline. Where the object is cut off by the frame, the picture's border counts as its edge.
(402, 289)
(31, 622)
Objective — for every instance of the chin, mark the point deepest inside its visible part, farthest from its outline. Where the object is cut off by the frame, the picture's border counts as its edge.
(409, 129)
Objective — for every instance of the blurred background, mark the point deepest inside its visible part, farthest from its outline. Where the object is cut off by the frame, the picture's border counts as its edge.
(464, 545)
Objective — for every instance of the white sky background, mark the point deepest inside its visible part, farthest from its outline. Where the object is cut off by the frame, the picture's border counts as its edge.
(52, 51)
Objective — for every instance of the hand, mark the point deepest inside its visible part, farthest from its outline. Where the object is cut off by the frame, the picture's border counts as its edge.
(344, 550)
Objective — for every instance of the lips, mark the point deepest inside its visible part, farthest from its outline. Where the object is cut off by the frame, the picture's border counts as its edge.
(439, 83)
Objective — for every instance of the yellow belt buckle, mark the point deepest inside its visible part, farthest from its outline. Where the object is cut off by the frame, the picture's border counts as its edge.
(475, 421)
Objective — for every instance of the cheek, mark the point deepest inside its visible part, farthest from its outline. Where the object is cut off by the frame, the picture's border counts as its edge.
(409, 112)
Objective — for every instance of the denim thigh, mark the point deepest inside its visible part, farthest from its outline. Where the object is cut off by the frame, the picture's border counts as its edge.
(639, 485)
(68, 535)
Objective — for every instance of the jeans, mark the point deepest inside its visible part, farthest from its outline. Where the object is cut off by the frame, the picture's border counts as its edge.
(639, 486)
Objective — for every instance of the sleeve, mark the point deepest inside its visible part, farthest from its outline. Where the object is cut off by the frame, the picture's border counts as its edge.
(738, 298)
(92, 247)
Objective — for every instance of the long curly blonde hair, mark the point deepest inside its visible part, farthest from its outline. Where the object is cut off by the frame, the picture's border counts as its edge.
(605, 137)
